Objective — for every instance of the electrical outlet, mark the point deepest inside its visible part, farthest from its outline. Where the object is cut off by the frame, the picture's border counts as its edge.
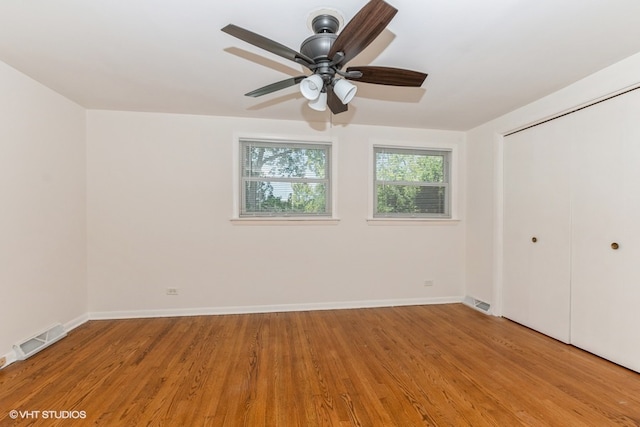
(428, 283)
(172, 291)
(3, 361)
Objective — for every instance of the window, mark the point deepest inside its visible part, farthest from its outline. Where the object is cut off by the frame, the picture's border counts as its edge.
(282, 179)
(411, 183)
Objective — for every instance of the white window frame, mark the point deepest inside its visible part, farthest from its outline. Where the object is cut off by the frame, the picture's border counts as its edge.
(452, 191)
(328, 218)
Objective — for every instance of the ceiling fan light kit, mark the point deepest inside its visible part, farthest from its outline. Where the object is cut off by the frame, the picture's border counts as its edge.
(320, 103)
(326, 52)
(311, 87)
(344, 90)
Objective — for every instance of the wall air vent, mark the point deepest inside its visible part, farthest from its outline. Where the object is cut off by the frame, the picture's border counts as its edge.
(482, 306)
(33, 345)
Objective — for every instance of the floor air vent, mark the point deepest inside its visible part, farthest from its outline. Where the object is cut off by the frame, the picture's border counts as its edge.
(35, 344)
(482, 306)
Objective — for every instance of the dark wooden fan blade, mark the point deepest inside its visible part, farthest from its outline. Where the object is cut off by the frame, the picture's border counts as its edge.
(335, 105)
(368, 23)
(388, 76)
(273, 87)
(267, 44)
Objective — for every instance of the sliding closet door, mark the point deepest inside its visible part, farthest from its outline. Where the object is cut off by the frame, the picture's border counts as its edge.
(537, 238)
(606, 231)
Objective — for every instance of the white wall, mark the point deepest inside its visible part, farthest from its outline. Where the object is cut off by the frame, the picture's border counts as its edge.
(160, 193)
(484, 171)
(42, 213)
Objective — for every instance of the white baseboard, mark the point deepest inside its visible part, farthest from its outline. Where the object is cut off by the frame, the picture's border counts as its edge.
(74, 323)
(207, 311)
(9, 358)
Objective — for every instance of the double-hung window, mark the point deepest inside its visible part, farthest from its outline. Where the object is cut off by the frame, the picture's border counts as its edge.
(285, 179)
(411, 183)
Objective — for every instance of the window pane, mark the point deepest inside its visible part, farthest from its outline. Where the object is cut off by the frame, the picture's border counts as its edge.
(411, 182)
(285, 178)
(265, 197)
(284, 162)
(411, 199)
(405, 167)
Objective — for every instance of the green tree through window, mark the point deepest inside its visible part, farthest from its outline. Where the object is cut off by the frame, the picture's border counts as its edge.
(411, 182)
(285, 179)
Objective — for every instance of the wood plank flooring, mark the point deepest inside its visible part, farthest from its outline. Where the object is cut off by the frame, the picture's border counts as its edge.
(438, 365)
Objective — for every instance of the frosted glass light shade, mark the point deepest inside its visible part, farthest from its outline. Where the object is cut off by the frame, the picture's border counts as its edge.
(344, 90)
(320, 103)
(311, 87)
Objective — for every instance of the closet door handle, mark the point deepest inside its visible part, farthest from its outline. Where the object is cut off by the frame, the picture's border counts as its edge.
(534, 239)
(615, 246)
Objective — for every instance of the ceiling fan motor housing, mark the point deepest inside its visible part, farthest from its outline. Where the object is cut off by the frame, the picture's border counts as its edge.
(317, 46)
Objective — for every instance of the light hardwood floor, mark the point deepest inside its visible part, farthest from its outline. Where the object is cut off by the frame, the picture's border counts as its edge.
(444, 365)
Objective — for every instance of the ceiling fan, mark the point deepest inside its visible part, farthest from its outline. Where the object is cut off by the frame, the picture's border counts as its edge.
(326, 52)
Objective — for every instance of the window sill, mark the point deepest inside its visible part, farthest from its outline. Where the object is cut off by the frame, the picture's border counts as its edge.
(413, 221)
(285, 221)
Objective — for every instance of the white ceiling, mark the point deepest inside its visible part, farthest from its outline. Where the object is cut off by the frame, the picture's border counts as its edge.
(484, 58)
